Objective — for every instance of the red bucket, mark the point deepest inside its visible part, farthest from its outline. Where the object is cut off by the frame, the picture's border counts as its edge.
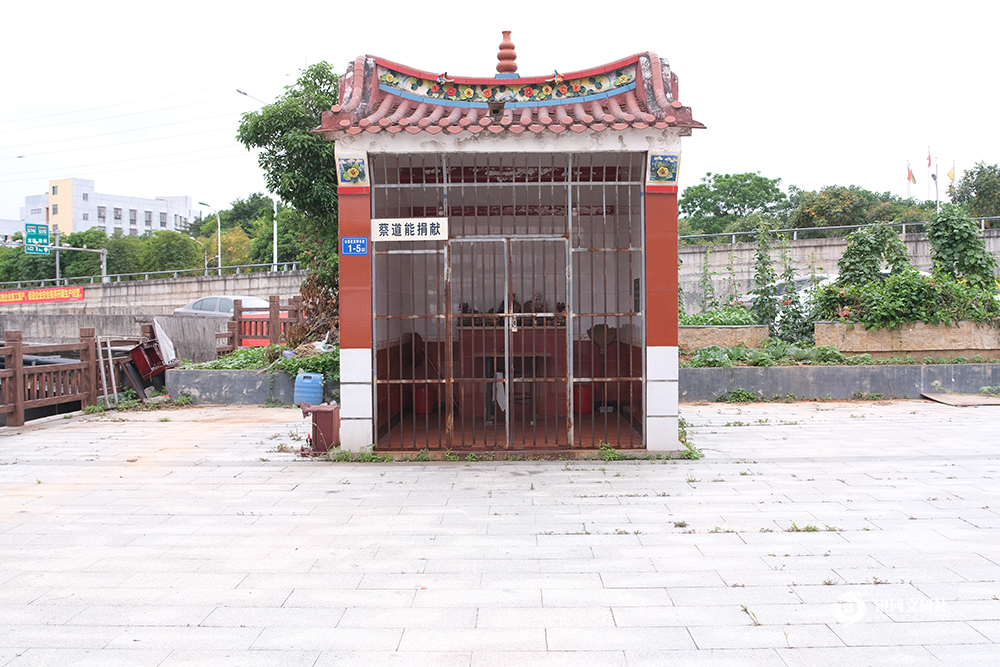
(424, 399)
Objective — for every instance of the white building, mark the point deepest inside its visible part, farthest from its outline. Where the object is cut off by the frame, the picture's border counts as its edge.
(72, 205)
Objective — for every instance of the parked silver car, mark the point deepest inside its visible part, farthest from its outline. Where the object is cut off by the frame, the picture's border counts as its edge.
(219, 305)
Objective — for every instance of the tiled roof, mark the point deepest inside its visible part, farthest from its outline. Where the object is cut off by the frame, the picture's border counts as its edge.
(377, 95)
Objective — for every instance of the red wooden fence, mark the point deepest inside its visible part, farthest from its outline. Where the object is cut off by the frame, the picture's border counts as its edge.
(259, 327)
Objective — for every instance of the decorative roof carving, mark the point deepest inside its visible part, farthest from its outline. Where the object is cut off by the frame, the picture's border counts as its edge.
(377, 95)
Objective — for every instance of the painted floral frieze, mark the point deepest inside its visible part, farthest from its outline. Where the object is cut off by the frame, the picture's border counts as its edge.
(509, 90)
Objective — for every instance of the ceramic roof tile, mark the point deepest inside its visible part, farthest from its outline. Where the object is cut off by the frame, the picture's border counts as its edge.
(377, 95)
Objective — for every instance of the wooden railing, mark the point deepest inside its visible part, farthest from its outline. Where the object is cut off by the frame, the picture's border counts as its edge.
(25, 387)
(258, 327)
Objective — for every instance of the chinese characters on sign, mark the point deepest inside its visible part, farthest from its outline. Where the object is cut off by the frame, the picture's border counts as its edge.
(42, 295)
(36, 239)
(410, 229)
(353, 245)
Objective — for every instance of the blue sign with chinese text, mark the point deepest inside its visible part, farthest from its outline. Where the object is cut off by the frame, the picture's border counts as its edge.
(354, 245)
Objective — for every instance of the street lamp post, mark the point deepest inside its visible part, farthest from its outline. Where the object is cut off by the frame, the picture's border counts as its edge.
(204, 249)
(274, 233)
(218, 220)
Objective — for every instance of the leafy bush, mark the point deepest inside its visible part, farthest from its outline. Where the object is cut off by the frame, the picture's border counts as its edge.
(737, 396)
(712, 356)
(866, 250)
(722, 317)
(907, 297)
(251, 358)
(765, 303)
(245, 358)
(327, 363)
(958, 249)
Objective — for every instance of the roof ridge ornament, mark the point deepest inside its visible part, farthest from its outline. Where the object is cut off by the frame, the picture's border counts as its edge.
(507, 56)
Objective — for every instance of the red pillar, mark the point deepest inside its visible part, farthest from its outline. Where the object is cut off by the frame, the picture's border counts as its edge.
(661, 269)
(355, 273)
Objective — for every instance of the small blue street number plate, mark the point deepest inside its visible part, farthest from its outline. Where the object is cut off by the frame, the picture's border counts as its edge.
(354, 245)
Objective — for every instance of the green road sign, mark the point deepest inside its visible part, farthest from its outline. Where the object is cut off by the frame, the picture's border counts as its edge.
(36, 239)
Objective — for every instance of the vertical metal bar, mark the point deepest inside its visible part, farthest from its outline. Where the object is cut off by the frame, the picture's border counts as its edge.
(570, 306)
(509, 307)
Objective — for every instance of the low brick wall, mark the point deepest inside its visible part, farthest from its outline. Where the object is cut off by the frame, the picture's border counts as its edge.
(696, 337)
(964, 339)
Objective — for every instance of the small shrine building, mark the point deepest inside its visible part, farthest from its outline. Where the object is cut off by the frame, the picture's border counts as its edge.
(508, 257)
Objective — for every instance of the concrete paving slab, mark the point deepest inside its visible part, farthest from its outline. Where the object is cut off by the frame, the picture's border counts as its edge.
(127, 540)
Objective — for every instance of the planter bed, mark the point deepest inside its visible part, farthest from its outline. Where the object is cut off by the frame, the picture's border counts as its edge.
(917, 339)
(691, 338)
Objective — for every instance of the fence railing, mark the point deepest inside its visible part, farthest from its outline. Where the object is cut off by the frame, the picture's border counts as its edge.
(259, 327)
(812, 230)
(25, 387)
(151, 275)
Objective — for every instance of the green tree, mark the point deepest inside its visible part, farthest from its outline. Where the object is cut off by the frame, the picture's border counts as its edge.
(979, 188)
(299, 166)
(167, 250)
(124, 253)
(76, 264)
(262, 242)
(959, 251)
(836, 206)
(721, 199)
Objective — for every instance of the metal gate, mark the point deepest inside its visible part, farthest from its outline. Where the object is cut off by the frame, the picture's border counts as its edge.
(511, 342)
(524, 329)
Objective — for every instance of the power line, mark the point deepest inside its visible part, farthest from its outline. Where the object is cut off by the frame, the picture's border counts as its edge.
(87, 167)
(119, 104)
(107, 134)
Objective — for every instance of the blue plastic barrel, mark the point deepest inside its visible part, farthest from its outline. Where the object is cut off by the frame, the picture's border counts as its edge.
(308, 388)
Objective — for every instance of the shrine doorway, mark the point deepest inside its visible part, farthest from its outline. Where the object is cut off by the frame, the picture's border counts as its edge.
(521, 327)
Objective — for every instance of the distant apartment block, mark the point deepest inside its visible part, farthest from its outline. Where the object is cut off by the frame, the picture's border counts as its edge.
(8, 228)
(73, 206)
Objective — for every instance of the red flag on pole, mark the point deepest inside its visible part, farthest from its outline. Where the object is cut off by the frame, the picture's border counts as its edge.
(909, 175)
(928, 158)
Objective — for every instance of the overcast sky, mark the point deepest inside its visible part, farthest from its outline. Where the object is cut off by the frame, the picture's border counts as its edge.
(142, 98)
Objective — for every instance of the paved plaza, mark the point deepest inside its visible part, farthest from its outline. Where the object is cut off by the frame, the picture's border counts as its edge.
(828, 533)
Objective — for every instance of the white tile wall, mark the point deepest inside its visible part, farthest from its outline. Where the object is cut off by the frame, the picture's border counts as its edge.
(356, 401)
(661, 363)
(661, 434)
(356, 365)
(355, 434)
(661, 399)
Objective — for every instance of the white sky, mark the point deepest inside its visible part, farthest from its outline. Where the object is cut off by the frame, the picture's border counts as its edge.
(141, 97)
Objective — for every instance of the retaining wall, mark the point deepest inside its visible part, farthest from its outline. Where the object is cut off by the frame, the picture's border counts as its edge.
(819, 253)
(839, 382)
(693, 338)
(918, 339)
(238, 387)
(161, 296)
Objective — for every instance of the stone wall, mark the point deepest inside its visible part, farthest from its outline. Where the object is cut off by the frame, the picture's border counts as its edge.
(806, 254)
(696, 337)
(161, 296)
(917, 339)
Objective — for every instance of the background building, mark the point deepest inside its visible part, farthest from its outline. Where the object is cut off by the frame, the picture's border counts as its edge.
(72, 204)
